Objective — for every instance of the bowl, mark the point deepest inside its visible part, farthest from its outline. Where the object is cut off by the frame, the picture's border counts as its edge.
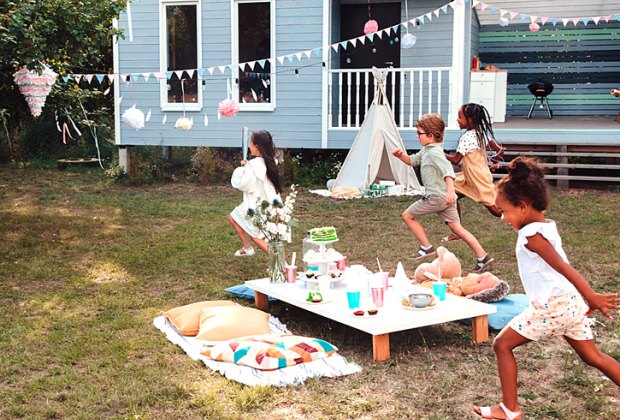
(420, 300)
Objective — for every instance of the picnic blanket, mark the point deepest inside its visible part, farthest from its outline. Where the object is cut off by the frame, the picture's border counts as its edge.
(332, 366)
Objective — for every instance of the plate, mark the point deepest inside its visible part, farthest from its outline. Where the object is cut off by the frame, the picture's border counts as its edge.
(426, 308)
(365, 316)
(325, 300)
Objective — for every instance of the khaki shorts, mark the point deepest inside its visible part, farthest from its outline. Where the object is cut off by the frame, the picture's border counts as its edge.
(435, 204)
(563, 315)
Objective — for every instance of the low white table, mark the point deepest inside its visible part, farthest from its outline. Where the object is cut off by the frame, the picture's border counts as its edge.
(392, 316)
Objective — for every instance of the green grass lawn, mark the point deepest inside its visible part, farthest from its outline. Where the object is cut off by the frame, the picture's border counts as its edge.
(85, 266)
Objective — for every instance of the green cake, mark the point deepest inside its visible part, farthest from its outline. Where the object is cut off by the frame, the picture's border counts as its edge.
(323, 234)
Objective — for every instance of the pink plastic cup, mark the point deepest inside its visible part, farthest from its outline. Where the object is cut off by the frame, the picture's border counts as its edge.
(291, 273)
(385, 276)
(378, 294)
(341, 264)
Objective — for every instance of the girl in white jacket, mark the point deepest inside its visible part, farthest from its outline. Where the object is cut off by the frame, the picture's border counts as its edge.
(259, 179)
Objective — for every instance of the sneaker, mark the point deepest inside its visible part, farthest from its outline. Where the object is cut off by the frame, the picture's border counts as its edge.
(422, 253)
(245, 252)
(482, 264)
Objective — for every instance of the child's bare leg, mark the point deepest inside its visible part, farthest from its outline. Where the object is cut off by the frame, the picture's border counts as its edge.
(504, 343)
(493, 210)
(262, 244)
(469, 239)
(589, 353)
(240, 232)
(416, 228)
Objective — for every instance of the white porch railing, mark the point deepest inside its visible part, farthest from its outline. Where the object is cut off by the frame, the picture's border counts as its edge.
(411, 92)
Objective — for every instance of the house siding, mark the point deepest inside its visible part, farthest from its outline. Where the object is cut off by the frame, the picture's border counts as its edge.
(296, 121)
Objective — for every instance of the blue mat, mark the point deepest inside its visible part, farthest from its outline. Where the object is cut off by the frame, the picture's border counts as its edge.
(244, 292)
(507, 308)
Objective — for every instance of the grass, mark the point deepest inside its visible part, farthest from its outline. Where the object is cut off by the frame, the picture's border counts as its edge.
(86, 266)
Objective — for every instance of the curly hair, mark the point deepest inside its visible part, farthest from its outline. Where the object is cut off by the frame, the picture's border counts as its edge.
(525, 183)
(432, 124)
(263, 141)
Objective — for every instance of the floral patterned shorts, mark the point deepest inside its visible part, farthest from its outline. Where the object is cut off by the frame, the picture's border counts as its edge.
(563, 315)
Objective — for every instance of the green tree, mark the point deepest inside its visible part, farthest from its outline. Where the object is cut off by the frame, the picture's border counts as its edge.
(69, 37)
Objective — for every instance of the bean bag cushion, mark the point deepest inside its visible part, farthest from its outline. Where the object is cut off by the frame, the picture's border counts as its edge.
(186, 319)
(227, 322)
(270, 352)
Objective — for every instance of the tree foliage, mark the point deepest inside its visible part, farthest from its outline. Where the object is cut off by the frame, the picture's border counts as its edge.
(68, 36)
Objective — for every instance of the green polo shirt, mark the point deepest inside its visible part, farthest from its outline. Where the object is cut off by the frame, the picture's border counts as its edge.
(434, 168)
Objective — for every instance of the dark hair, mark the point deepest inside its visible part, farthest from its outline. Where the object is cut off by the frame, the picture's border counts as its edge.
(263, 141)
(481, 120)
(525, 182)
(432, 124)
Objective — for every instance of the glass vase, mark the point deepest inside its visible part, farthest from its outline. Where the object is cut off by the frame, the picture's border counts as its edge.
(277, 261)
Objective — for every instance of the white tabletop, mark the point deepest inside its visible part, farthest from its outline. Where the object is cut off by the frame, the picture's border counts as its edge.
(391, 317)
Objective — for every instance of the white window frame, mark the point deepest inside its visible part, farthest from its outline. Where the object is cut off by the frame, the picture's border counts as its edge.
(163, 55)
(271, 106)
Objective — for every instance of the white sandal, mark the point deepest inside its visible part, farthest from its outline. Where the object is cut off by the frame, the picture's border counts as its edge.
(485, 413)
(244, 252)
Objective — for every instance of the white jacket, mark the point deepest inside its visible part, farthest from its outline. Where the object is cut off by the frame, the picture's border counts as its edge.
(252, 180)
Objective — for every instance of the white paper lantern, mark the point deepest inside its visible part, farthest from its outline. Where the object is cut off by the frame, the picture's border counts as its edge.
(133, 117)
(408, 40)
(503, 21)
(184, 124)
(35, 87)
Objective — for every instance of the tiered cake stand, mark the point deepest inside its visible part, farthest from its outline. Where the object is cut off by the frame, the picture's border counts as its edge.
(322, 260)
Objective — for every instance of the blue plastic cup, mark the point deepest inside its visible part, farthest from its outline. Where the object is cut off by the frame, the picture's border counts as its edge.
(439, 289)
(354, 299)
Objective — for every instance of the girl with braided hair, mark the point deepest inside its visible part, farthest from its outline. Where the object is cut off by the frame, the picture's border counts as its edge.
(475, 181)
(258, 179)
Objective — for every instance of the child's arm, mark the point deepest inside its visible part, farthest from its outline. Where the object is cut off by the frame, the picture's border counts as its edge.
(402, 156)
(454, 159)
(450, 194)
(545, 250)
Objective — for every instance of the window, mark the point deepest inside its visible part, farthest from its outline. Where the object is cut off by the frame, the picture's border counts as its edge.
(254, 40)
(180, 49)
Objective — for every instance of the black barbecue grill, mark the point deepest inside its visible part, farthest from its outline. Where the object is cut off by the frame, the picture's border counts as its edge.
(540, 89)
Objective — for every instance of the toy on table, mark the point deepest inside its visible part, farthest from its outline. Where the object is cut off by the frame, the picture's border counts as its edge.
(445, 266)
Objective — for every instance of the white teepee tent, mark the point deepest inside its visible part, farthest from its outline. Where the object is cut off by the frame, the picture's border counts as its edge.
(370, 159)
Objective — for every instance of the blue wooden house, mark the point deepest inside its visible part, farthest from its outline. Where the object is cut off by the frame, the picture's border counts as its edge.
(301, 68)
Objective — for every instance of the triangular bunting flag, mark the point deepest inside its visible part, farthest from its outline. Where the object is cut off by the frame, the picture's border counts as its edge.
(262, 63)
(146, 76)
(200, 72)
(168, 75)
(513, 15)
(343, 44)
(585, 20)
(252, 65)
(533, 19)
(618, 17)
(191, 73)
(77, 77)
(179, 73)
(211, 70)
(596, 19)
(290, 58)
(452, 4)
(474, 3)
(66, 78)
(436, 12)
(99, 78)
(421, 20)
(483, 6)
(362, 39)
(554, 21)
(575, 21)
(222, 69)
(502, 12)
(354, 42)
(544, 20)
(335, 47)
(523, 17)
(607, 18)
(429, 16)
(280, 59)
(444, 8)
(111, 77)
(299, 55)
(379, 34)
(565, 21)
(308, 53)
(317, 51)
(493, 9)
(231, 67)
(88, 77)
(371, 37)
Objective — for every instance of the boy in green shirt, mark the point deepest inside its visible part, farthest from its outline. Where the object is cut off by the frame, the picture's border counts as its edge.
(440, 198)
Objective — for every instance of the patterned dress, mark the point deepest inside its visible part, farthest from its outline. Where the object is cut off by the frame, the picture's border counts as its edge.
(475, 181)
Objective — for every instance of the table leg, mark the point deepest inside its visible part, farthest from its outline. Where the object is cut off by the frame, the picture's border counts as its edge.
(261, 301)
(381, 347)
(480, 328)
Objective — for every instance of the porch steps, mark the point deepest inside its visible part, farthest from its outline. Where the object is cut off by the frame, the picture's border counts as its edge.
(569, 162)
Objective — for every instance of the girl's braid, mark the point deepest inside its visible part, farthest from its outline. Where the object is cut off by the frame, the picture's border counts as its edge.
(480, 118)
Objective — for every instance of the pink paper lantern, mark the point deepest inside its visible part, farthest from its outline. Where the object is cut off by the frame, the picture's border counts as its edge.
(371, 27)
(534, 27)
(228, 108)
(35, 87)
